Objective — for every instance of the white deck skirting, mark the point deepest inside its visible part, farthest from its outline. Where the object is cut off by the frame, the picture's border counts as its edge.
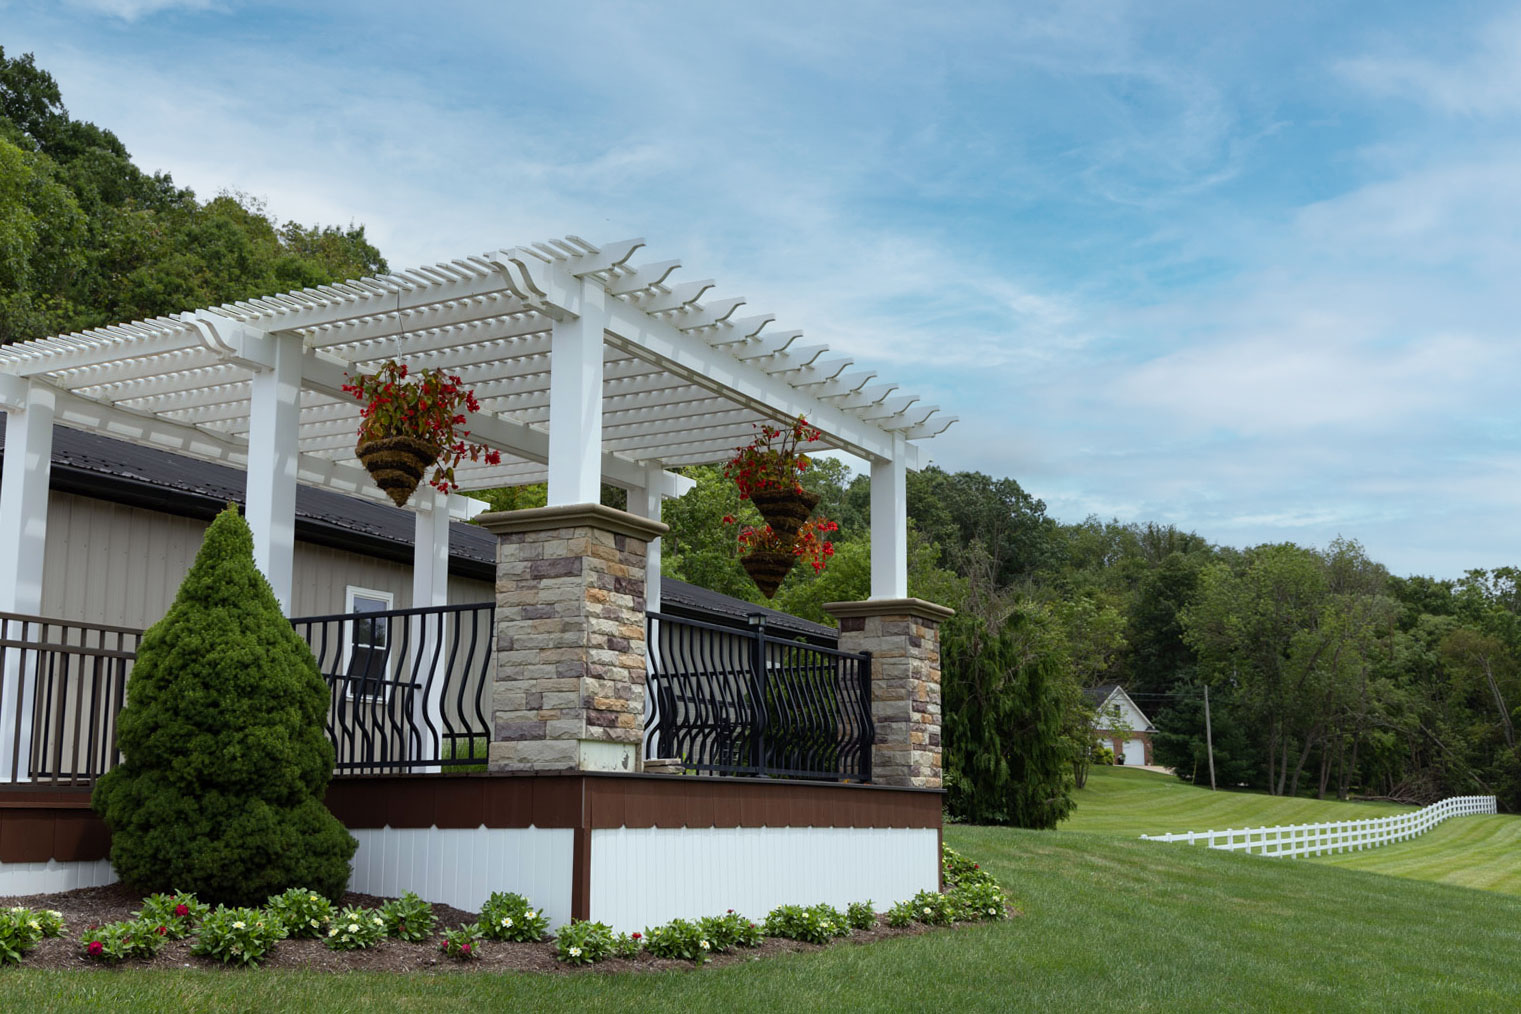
(53, 876)
(461, 867)
(646, 876)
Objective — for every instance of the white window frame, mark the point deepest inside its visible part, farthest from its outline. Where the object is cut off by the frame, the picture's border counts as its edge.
(350, 594)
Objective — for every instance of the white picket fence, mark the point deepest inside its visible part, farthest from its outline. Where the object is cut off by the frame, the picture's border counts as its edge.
(1340, 836)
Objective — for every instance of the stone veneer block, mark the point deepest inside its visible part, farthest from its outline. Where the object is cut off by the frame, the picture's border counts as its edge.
(903, 636)
(568, 690)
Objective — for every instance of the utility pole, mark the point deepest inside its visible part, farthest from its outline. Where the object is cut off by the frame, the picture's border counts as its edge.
(1209, 739)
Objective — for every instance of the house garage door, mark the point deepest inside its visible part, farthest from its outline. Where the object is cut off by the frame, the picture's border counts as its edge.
(1135, 752)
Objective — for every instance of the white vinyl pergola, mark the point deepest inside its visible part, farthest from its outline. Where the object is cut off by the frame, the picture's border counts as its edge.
(590, 366)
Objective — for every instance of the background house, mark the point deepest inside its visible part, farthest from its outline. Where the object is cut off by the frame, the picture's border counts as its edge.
(1130, 735)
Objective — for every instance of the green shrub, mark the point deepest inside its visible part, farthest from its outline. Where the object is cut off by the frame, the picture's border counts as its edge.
(725, 932)
(509, 917)
(225, 760)
(933, 908)
(901, 914)
(178, 913)
(584, 943)
(628, 945)
(355, 929)
(960, 870)
(49, 920)
(678, 938)
(817, 924)
(20, 930)
(117, 941)
(302, 912)
(860, 915)
(408, 918)
(242, 935)
(463, 944)
(980, 901)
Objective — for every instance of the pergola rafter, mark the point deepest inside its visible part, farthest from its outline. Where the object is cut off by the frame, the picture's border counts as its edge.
(589, 367)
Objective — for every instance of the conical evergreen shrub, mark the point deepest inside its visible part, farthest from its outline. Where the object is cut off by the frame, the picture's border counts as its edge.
(224, 755)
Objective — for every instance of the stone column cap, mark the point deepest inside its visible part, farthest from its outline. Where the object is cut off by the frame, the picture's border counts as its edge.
(889, 607)
(575, 515)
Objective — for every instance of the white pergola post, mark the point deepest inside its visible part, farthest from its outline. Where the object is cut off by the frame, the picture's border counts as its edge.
(889, 526)
(23, 542)
(273, 452)
(646, 503)
(575, 402)
(430, 587)
(24, 500)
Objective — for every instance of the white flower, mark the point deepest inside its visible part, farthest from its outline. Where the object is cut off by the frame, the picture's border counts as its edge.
(377, 920)
(353, 927)
(55, 913)
(703, 944)
(926, 910)
(33, 924)
(575, 952)
(506, 920)
(333, 932)
(238, 924)
(531, 913)
(313, 923)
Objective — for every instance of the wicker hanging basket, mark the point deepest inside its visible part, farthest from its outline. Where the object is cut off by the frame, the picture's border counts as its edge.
(785, 510)
(397, 464)
(768, 569)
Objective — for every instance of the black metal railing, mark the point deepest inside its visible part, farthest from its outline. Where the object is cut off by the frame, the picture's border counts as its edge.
(62, 684)
(407, 686)
(744, 702)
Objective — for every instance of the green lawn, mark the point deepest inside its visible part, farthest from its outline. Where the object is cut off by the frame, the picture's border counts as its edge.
(1106, 919)
(1482, 852)
(1131, 802)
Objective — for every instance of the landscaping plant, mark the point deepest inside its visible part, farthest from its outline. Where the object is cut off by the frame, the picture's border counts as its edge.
(933, 908)
(178, 913)
(731, 930)
(678, 938)
(303, 913)
(224, 757)
(355, 929)
(117, 941)
(860, 915)
(21, 929)
(241, 935)
(901, 914)
(462, 944)
(817, 924)
(408, 918)
(507, 916)
(584, 943)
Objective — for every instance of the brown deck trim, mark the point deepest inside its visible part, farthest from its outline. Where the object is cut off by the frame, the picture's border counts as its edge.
(41, 824)
(611, 801)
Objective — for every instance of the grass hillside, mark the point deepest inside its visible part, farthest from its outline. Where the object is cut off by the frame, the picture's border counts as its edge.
(1131, 802)
(1107, 920)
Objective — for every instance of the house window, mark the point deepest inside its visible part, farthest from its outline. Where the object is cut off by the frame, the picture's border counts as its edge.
(367, 643)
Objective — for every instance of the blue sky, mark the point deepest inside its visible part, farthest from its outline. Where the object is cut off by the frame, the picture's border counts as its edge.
(1249, 269)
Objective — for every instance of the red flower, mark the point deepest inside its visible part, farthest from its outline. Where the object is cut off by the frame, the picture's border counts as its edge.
(636, 936)
(163, 930)
(95, 948)
(182, 910)
(464, 948)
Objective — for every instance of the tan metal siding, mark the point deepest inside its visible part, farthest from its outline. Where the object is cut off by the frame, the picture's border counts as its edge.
(107, 563)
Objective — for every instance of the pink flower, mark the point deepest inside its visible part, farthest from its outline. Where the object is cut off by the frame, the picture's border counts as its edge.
(95, 948)
(464, 948)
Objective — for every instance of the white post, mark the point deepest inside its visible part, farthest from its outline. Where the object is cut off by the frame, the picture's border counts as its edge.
(575, 402)
(23, 543)
(646, 503)
(430, 587)
(889, 525)
(270, 498)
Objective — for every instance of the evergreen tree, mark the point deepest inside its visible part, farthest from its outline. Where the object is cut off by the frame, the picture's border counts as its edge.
(224, 755)
(1007, 755)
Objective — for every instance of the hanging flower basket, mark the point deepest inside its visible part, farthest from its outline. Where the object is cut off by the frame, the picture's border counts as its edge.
(768, 569)
(785, 510)
(397, 464)
(773, 461)
(411, 424)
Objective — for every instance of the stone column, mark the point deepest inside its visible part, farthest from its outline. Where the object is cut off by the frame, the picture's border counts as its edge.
(570, 633)
(903, 636)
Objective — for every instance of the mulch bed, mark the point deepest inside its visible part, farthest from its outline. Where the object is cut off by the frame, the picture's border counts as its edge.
(93, 906)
